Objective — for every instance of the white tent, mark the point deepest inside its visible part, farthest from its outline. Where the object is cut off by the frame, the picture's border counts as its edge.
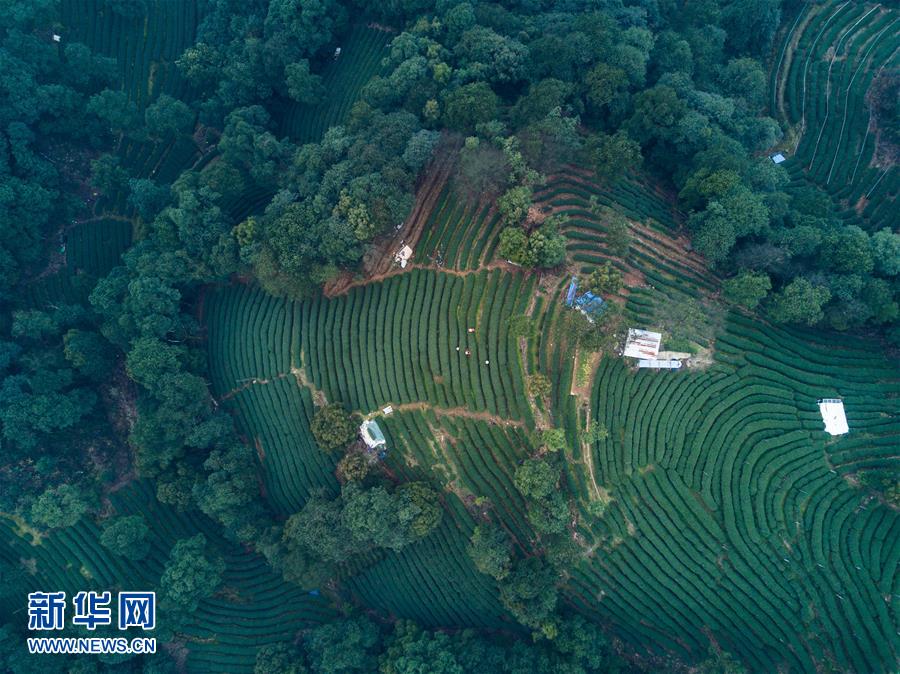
(832, 410)
(371, 434)
(403, 256)
(652, 363)
(642, 344)
(778, 158)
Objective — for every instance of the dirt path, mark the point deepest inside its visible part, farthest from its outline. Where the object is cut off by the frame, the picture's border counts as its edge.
(592, 358)
(396, 271)
(457, 412)
(787, 52)
(379, 258)
(247, 383)
(319, 397)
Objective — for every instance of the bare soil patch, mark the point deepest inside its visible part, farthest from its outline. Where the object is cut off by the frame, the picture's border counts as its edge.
(379, 257)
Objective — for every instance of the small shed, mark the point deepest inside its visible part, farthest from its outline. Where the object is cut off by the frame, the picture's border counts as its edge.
(832, 411)
(371, 434)
(403, 256)
(570, 293)
(778, 158)
(661, 364)
(642, 344)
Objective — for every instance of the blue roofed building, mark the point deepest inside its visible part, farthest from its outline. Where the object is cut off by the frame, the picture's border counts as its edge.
(570, 293)
(590, 305)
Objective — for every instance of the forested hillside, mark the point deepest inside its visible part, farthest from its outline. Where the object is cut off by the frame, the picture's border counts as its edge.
(231, 232)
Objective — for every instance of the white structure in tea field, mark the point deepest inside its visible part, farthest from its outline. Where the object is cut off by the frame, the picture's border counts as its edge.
(654, 364)
(832, 411)
(371, 434)
(777, 158)
(642, 344)
(403, 256)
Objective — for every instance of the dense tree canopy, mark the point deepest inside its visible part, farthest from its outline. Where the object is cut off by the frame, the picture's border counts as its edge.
(108, 379)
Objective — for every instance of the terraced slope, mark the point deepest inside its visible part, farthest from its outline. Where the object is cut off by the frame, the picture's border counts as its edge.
(145, 48)
(145, 51)
(250, 349)
(732, 510)
(405, 341)
(387, 343)
(433, 581)
(94, 247)
(729, 513)
(343, 78)
(830, 54)
(253, 608)
(458, 234)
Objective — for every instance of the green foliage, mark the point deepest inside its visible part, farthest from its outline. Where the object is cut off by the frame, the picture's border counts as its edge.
(514, 204)
(333, 427)
(491, 550)
(554, 439)
(521, 325)
(720, 662)
(107, 174)
(190, 575)
(278, 659)
(604, 280)
(167, 116)
(302, 85)
(470, 105)
(886, 252)
(353, 467)
(604, 84)
(606, 333)
(114, 108)
(549, 515)
(60, 506)
(382, 519)
(799, 302)
(544, 247)
(88, 352)
(343, 647)
(566, 83)
(539, 385)
(318, 528)
(747, 289)
(746, 79)
(127, 536)
(618, 235)
(420, 507)
(847, 250)
(595, 432)
(483, 169)
(230, 492)
(529, 592)
(514, 245)
(411, 649)
(536, 478)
